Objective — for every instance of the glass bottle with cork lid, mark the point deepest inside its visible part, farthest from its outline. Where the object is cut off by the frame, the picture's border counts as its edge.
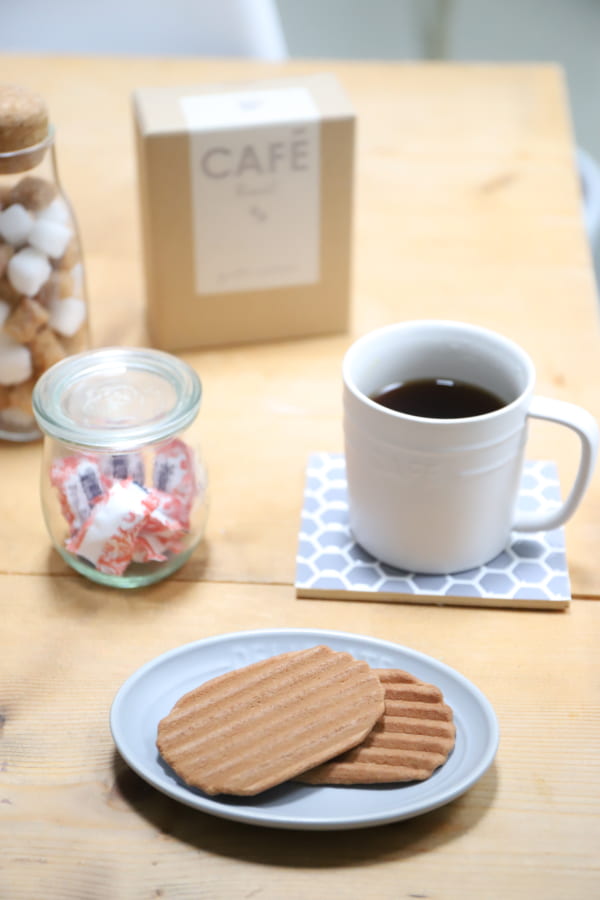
(43, 307)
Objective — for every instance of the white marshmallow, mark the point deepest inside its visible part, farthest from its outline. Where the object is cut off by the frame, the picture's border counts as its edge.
(28, 270)
(4, 312)
(67, 316)
(15, 364)
(50, 237)
(16, 224)
(56, 211)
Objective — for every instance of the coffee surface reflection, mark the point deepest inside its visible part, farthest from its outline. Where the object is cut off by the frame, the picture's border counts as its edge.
(438, 398)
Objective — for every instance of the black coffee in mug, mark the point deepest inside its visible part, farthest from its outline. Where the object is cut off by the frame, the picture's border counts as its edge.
(438, 398)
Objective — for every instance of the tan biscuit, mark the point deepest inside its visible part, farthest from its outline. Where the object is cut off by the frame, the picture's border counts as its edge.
(33, 193)
(255, 727)
(45, 349)
(19, 396)
(70, 257)
(7, 292)
(411, 740)
(77, 342)
(57, 286)
(25, 320)
(6, 251)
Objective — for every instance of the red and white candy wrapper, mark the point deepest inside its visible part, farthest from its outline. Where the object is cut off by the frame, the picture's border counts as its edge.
(174, 474)
(119, 466)
(79, 483)
(160, 534)
(148, 548)
(108, 537)
(113, 519)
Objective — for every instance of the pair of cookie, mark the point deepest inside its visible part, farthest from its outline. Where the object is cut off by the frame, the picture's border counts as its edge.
(315, 715)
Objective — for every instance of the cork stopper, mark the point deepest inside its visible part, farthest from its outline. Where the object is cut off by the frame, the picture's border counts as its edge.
(23, 124)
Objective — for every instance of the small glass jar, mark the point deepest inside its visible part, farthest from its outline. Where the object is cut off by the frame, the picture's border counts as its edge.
(43, 305)
(123, 485)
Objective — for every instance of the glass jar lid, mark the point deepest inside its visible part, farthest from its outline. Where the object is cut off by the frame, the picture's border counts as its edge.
(116, 398)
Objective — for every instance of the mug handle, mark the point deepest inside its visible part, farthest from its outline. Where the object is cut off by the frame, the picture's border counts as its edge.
(586, 428)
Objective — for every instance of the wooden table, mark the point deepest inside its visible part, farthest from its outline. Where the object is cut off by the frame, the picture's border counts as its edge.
(467, 207)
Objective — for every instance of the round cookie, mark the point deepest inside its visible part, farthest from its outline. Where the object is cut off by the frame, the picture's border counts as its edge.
(412, 739)
(253, 728)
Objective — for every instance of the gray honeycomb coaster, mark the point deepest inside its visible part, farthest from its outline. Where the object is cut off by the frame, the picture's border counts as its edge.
(531, 573)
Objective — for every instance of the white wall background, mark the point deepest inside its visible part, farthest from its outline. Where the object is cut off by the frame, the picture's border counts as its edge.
(563, 31)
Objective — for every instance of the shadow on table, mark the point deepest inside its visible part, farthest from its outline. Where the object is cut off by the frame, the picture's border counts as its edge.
(77, 594)
(308, 849)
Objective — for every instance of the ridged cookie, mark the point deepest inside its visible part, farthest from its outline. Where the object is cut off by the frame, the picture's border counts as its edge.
(250, 729)
(411, 740)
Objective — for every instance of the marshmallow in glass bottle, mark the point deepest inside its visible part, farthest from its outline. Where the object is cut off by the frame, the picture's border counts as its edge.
(43, 308)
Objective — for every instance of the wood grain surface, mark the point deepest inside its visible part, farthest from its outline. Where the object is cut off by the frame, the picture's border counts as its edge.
(467, 207)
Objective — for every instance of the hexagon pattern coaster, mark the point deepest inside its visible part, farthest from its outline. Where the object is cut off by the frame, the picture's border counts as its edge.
(531, 573)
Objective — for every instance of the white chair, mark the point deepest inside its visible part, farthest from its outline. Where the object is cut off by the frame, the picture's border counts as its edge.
(226, 28)
(589, 176)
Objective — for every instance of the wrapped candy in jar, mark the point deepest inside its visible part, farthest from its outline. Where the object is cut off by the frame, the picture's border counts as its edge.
(43, 309)
(124, 488)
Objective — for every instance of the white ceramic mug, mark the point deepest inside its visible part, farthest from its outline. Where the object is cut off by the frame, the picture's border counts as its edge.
(439, 495)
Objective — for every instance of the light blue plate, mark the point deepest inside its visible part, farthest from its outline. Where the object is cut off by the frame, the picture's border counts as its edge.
(152, 690)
